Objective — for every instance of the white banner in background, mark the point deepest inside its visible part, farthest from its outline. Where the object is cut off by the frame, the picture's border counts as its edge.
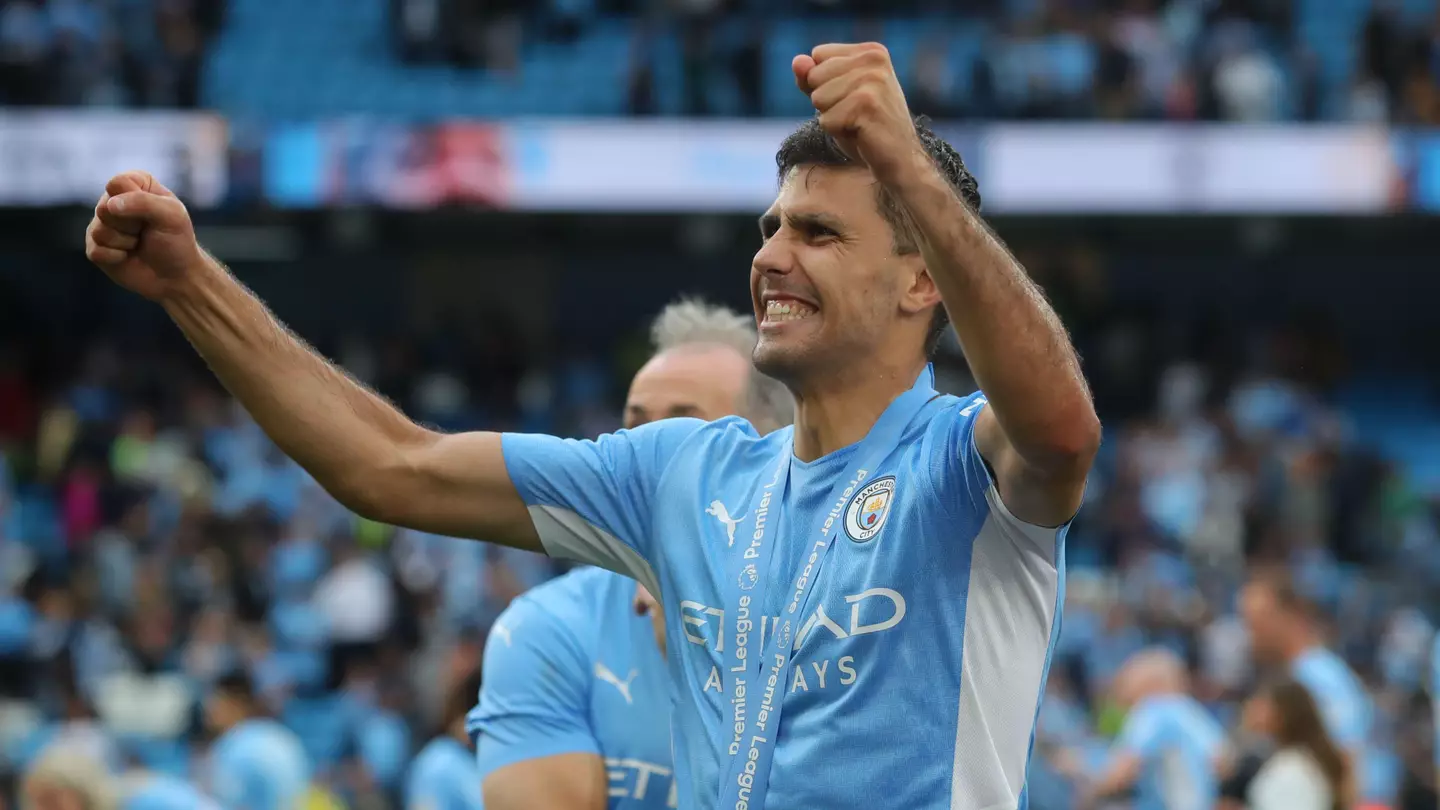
(650, 165)
(64, 157)
(1177, 169)
(1060, 168)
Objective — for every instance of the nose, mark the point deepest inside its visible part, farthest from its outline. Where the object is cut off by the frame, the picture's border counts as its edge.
(774, 258)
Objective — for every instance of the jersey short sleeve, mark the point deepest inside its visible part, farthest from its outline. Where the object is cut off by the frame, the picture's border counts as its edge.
(964, 482)
(593, 501)
(535, 699)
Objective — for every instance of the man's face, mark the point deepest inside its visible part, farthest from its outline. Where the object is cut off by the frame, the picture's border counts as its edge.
(221, 712)
(706, 382)
(1264, 620)
(827, 283)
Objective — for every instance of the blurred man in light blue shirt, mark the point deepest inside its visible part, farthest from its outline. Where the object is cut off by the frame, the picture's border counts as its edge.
(257, 763)
(1169, 744)
(1284, 633)
(443, 775)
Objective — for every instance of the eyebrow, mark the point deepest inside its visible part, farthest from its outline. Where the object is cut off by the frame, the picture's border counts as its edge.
(805, 221)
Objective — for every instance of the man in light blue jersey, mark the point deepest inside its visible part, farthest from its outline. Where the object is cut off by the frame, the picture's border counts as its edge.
(66, 778)
(1169, 745)
(1284, 633)
(443, 775)
(575, 711)
(256, 763)
(866, 618)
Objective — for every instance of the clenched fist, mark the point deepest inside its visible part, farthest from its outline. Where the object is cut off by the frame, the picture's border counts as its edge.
(861, 105)
(141, 236)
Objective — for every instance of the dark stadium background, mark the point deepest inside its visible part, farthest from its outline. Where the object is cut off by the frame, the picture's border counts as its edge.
(1264, 357)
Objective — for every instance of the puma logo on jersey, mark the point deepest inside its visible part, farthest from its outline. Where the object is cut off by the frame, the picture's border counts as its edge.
(720, 513)
(503, 632)
(603, 673)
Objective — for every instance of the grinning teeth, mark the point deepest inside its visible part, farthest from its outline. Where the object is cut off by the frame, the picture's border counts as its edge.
(786, 311)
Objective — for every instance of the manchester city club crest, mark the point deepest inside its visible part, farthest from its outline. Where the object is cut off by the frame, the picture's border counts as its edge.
(866, 514)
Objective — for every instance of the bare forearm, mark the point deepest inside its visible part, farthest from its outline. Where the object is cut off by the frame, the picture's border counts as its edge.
(319, 416)
(1015, 344)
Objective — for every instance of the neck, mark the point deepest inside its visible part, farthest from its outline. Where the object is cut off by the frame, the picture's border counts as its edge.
(835, 411)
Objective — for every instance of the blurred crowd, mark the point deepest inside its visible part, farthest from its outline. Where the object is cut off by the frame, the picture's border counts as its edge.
(1233, 60)
(153, 541)
(107, 53)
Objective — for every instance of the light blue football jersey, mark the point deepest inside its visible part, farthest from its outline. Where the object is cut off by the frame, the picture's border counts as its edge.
(443, 777)
(921, 655)
(569, 667)
(1178, 742)
(259, 764)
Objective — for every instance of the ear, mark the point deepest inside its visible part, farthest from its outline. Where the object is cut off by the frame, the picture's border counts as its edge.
(921, 295)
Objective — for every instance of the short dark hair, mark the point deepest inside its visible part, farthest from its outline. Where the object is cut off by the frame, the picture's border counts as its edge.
(810, 145)
(236, 683)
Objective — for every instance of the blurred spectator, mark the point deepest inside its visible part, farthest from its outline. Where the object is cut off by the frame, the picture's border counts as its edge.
(1284, 632)
(356, 600)
(255, 762)
(1168, 746)
(1308, 770)
(420, 28)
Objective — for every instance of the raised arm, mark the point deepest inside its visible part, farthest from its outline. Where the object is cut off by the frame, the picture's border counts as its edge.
(358, 446)
(1040, 432)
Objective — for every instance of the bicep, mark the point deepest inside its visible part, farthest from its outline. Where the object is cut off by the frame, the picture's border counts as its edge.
(574, 781)
(594, 501)
(456, 485)
(1041, 496)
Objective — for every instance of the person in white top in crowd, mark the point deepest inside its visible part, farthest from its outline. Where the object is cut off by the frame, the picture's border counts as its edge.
(1308, 770)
